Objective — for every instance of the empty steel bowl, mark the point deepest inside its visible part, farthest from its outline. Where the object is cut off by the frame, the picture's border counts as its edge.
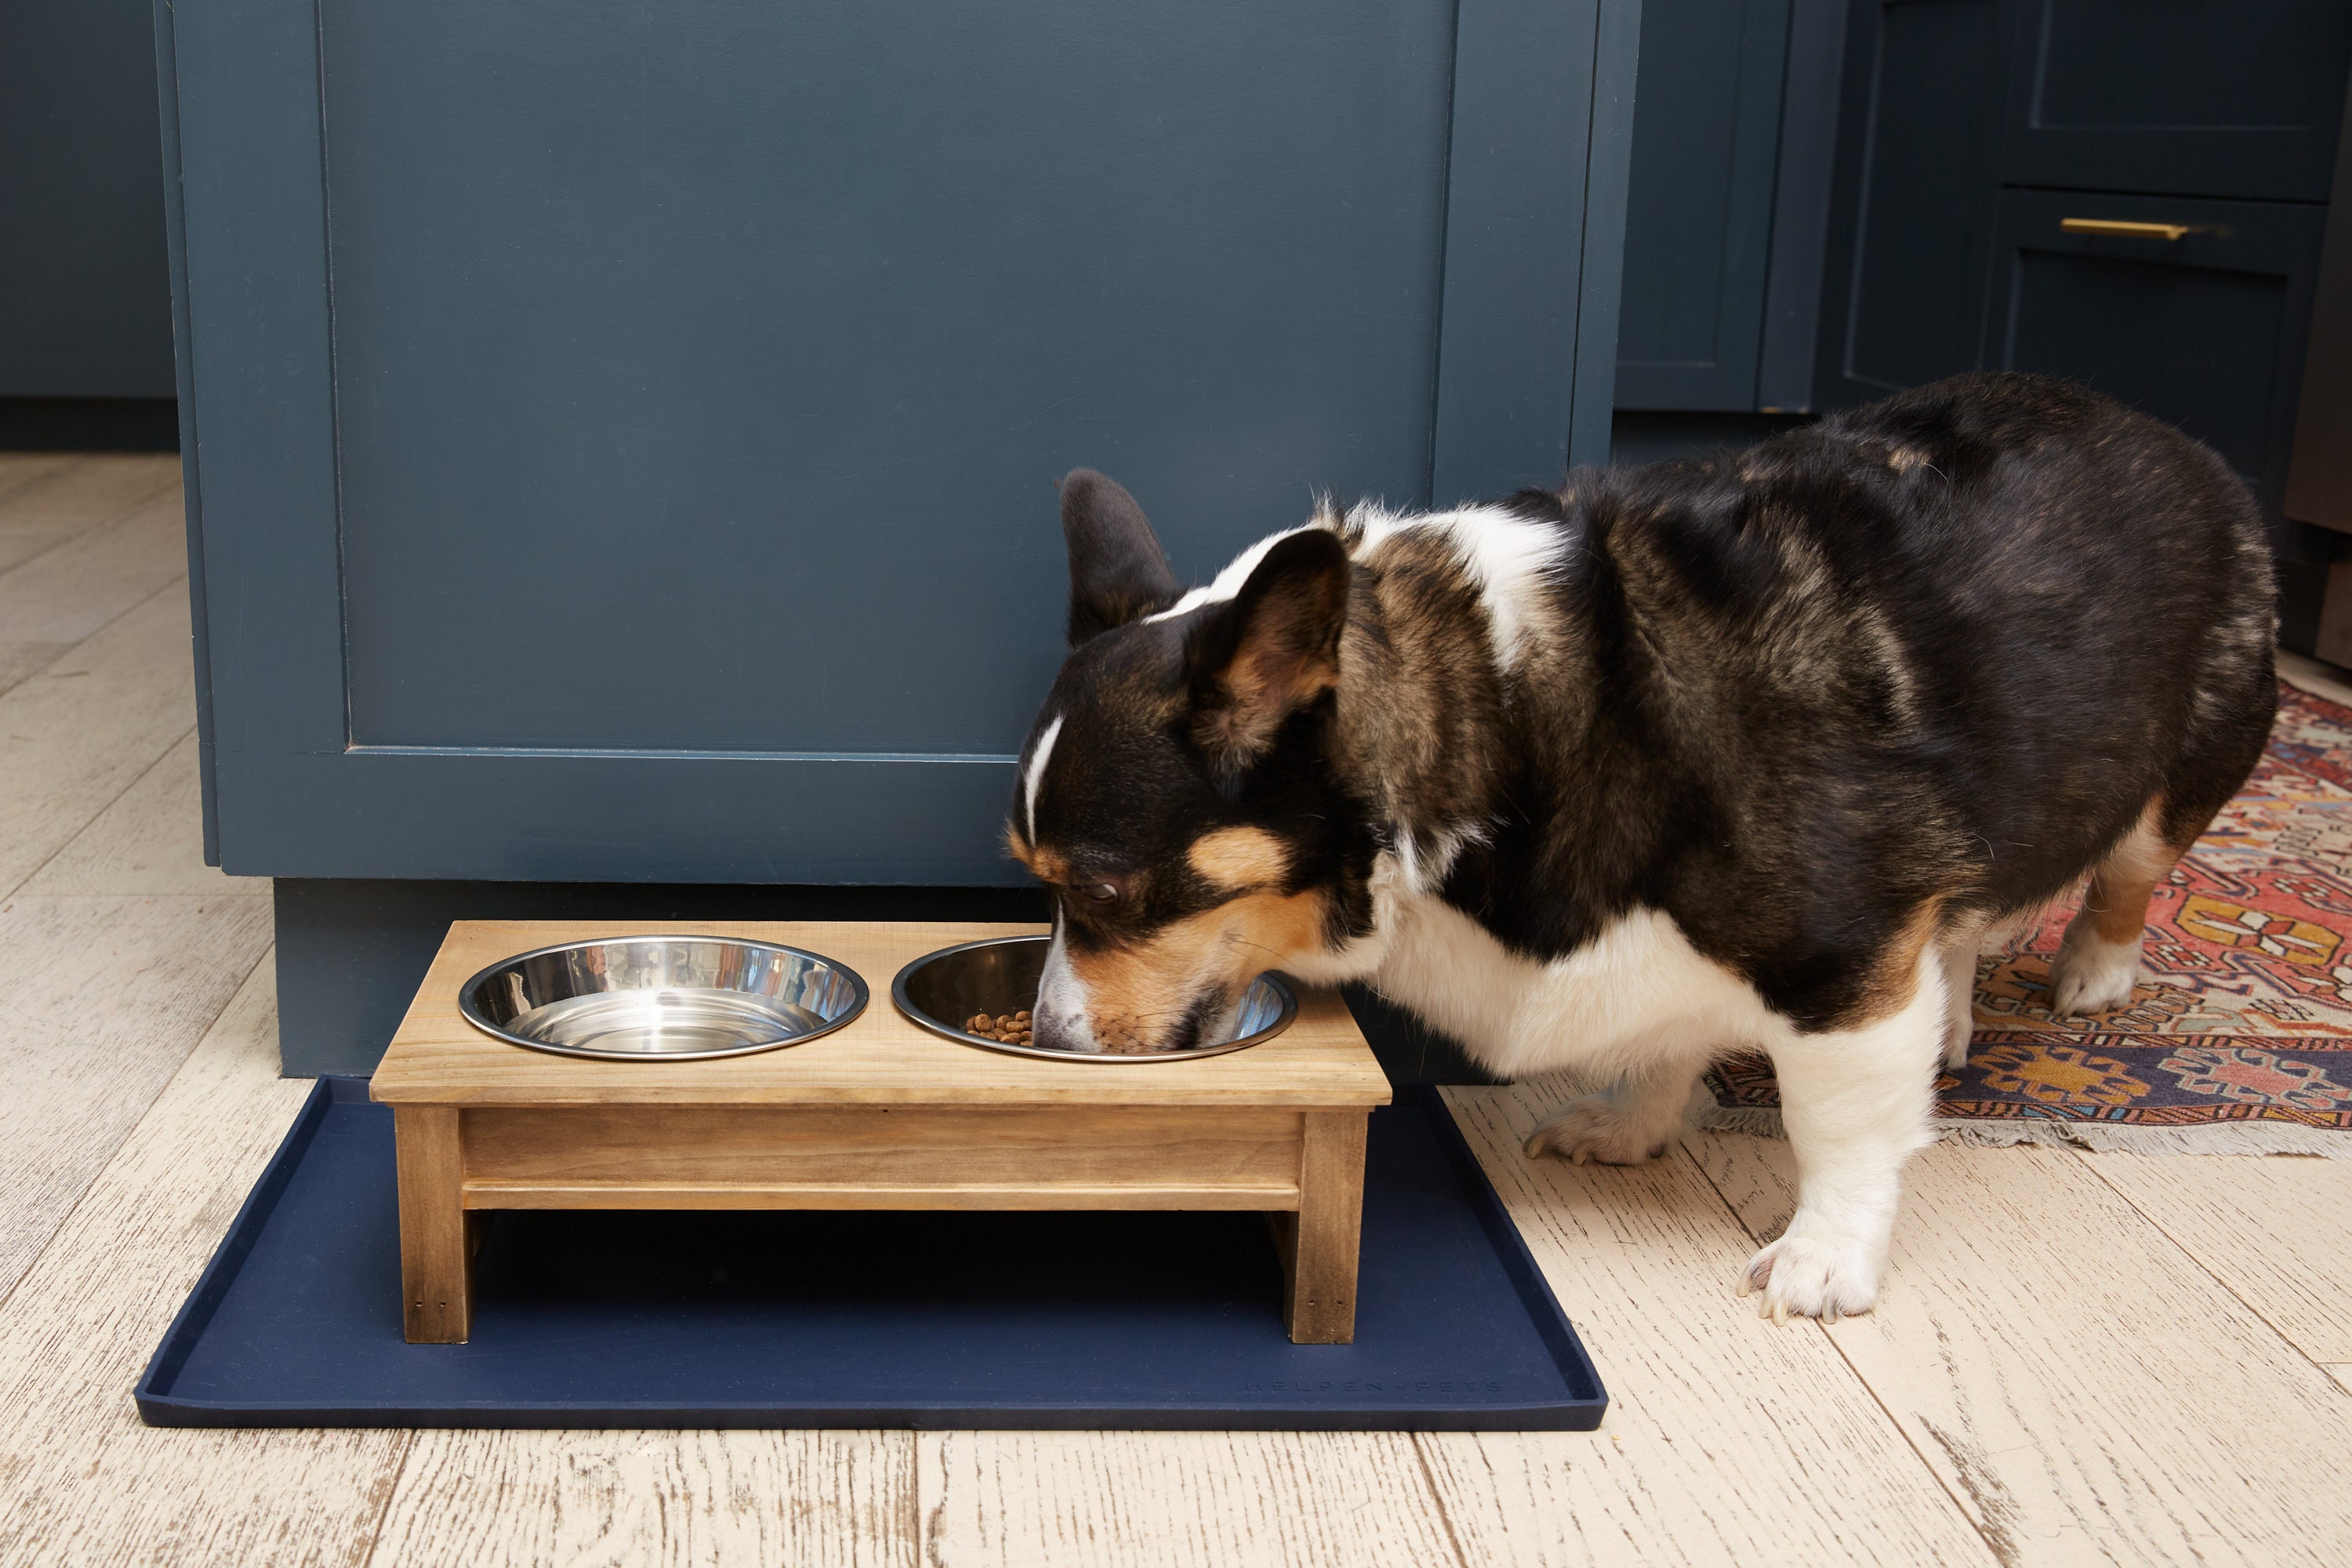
(666, 998)
(942, 991)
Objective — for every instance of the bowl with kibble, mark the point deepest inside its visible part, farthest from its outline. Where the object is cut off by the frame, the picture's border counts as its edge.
(981, 994)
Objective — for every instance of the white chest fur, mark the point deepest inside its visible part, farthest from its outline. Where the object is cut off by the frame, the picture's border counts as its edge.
(1635, 993)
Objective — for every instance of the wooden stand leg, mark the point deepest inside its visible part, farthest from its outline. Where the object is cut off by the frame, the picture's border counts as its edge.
(436, 1263)
(1319, 1243)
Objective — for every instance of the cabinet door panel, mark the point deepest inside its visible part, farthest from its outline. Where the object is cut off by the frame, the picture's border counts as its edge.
(628, 432)
(744, 391)
(1698, 223)
(1903, 294)
(2205, 332)
(84, 301)
(2240, 100)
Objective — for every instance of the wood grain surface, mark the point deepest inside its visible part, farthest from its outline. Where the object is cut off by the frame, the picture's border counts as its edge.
(880, 1059)
(150, 839)
(81, 541)
(1181, 1499)
(46, 499)
(82, 1481)
(74, 587)
(20, 470)
(2081, 1386)
(1320, 1246)
(1727, 1439)
(106, 998)
(81, 731)
(2277, 1233)
(1063, 1156)
(436, 1265)
(637, 1499)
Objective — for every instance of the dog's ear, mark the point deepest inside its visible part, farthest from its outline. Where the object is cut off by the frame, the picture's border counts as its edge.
(1117, 572)
(1270, 649)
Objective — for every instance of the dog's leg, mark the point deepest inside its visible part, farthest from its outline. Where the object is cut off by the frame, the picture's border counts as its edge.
(1960, 962)
(2099, 960)
(1855, 1103)
(1633, 1121)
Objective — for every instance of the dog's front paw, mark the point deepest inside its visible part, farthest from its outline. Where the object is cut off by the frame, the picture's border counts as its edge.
(2092, 976)
(1597, 1128)
(1806, 1276)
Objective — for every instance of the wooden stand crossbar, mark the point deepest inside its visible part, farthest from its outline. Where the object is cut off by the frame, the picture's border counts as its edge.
(878, 1115)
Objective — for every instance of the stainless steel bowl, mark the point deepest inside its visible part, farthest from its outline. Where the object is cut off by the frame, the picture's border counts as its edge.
(666, 998)
(941, 990)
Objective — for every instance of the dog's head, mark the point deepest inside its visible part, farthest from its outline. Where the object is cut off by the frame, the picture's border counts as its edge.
(1176, 793)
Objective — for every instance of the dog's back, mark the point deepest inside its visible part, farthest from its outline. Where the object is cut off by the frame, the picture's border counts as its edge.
(1954, 647)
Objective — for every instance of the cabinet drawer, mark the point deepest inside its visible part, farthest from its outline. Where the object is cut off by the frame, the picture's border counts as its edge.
(2205, 330)
(2180, 96)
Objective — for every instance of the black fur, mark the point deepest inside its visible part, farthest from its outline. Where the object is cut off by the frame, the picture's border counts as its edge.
(1937, 653)
(1117, 571)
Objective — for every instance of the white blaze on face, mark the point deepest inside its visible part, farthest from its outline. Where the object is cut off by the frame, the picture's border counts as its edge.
(1061, 1010)
(1037, 775)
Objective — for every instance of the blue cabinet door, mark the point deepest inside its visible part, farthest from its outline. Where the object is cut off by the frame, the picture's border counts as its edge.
(2205, 330)
(1902, 292)
(85, 311)
(2177, 97)
(625, 434)
(1698, 221)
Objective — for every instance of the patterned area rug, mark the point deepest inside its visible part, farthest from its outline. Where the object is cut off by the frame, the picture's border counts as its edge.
(2239, 1040)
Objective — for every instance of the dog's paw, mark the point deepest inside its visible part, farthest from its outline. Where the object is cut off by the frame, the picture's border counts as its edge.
(1597, 1130)
(2092, 977)
(1806, 1276)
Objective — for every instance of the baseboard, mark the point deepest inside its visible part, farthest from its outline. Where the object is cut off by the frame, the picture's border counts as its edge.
(89, 425)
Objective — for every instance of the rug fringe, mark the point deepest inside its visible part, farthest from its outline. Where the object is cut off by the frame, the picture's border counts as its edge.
(2103, 1138)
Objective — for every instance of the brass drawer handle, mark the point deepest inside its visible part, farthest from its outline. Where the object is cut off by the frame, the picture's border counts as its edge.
(2167, 231)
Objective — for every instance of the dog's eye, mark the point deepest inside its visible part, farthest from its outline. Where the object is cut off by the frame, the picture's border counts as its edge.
(1100, 894)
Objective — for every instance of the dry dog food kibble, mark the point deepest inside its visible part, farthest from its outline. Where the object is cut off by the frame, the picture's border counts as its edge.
(1005, 1029)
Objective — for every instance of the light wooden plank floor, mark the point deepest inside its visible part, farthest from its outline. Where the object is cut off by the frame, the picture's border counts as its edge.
(2080, 1358)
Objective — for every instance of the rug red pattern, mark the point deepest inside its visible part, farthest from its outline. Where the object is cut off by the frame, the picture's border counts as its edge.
(2243, 1012)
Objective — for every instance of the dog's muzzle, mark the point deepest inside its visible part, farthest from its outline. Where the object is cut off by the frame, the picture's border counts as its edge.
(1059, 1020)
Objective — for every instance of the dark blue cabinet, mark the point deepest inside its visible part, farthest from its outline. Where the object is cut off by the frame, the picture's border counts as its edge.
(2205, 330)
(2177, 97)
(1903, 296)
(1698, 225)
(1980, 137)
(624, 435)
(85, 304)
(1733, 136)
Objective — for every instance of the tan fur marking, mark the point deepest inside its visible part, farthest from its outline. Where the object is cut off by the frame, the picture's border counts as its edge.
(1136, 995)
(1903, 460)
(2121, 885)
(1044, 864)
(1239, 858)
(1898, 970)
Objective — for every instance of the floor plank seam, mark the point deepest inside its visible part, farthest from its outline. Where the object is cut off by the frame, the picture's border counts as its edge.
(384, 1509)
(9, 492)
(179, 584)
(2002, 1552)
(98, 525)
(76, 537)
(65, 1220)
(1437, 1496)
(2239, 1297)
(917, 1552)
(35, 874)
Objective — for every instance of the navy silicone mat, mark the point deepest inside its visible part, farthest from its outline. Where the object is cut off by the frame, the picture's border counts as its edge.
(862, 1319)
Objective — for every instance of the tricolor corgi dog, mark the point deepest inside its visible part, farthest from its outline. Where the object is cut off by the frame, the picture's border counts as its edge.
(1758, 750)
